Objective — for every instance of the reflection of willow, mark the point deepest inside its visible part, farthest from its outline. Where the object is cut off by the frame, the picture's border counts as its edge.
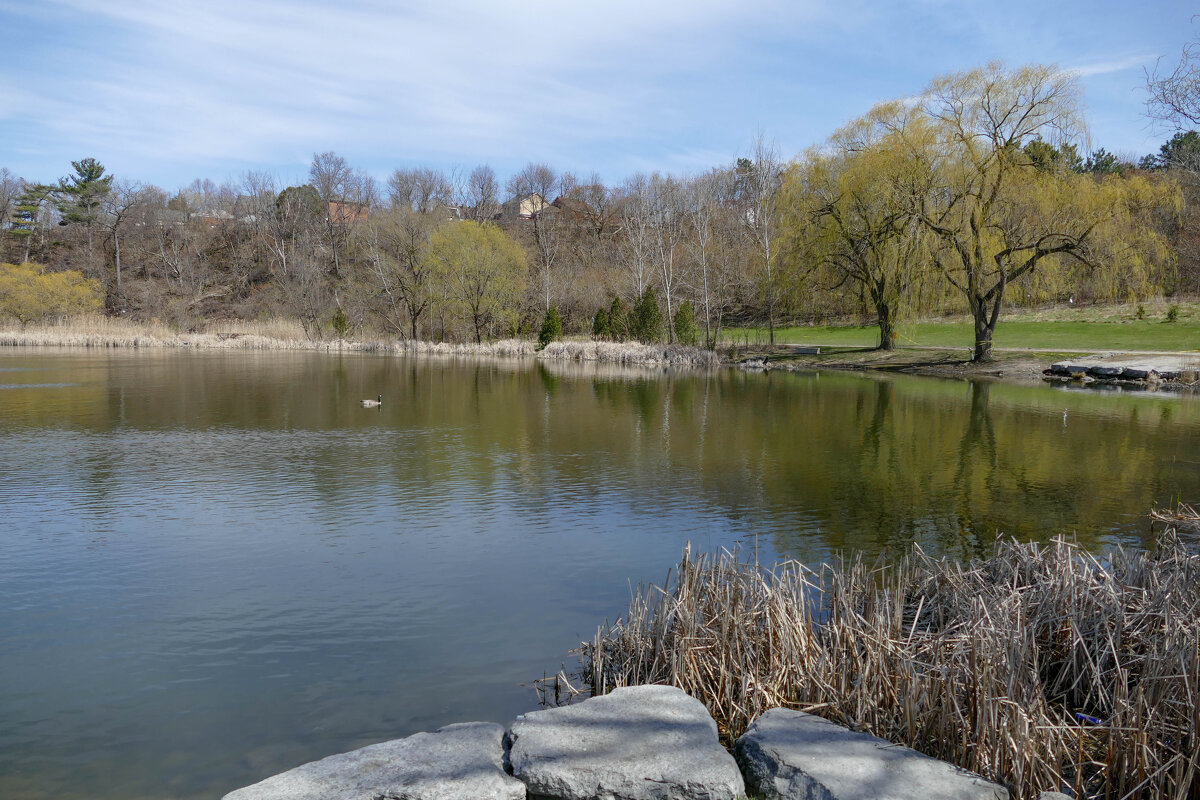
(873, 434)
(976, 451)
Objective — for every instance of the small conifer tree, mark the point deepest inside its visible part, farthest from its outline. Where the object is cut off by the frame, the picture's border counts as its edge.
(618, 320)
(646, 324)
(600, 327)
(551, 328)
(684, 324)
(341, 325)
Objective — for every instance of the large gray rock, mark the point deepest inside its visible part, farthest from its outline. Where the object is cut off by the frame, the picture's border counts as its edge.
(790, 754)
(458, 762)
(637, 743)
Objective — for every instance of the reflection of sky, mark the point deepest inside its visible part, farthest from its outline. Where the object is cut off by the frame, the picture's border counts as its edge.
(216, 566)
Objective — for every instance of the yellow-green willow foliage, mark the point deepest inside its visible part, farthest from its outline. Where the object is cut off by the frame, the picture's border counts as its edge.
(483, 274)
(28, 293)
(850, 214)
(1122, 255)
(998, 218)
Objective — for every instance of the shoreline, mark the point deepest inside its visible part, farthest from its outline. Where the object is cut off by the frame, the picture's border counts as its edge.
(126, 336)
(1021, 367)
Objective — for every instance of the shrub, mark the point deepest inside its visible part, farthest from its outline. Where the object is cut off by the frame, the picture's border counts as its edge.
(646, 321)
(1141, 311)
(618, 320)
(341, 325)
(551, 328)
(29, 293)
(600, 327)
(1173, 313)
(684, 324)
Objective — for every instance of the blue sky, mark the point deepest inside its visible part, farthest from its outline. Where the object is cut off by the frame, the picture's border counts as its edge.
(164, 92)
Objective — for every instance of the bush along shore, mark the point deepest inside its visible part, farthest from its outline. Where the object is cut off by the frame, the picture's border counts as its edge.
(1041, 667)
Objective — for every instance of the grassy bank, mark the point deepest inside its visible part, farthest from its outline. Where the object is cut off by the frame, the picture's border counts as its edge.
(1066, 330)
(1039, 667)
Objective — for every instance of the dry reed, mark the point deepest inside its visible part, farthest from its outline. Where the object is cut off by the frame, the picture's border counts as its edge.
(630, 353)
(1182, 517)
(284, 334)
(1042, 667)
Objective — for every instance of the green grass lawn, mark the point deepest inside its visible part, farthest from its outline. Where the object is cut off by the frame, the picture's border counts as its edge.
(1017, 332)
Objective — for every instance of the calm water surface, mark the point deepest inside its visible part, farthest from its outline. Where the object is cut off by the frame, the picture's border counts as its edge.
(216, 566)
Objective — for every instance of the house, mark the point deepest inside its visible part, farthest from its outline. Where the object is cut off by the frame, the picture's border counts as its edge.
(342, 212)
(525, 206)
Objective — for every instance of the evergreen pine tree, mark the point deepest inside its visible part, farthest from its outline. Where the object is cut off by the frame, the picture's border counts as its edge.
(81, 195)
(27, 213)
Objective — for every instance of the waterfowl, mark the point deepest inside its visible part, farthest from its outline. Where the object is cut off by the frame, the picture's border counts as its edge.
(373, 403)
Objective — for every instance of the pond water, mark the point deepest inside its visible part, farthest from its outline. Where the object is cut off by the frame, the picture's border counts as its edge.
(216, 566)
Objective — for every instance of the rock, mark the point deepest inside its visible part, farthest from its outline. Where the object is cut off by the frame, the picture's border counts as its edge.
(648, 742)
(1054, 796)
(1106, 370)
(1137, 372)
(458, 762)
(790, 754)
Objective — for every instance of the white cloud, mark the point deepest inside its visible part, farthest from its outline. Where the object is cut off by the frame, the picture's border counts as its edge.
(1111, 66)
(618, 86)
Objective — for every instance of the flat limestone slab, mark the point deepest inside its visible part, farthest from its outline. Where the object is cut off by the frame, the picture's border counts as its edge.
(458, 762)
(636, 743)
(790, 754)
(1134, 366)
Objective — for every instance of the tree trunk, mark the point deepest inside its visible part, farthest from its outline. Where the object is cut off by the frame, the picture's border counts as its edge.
(887, 326)
(117, 250)
(985, 325)
(770, 305)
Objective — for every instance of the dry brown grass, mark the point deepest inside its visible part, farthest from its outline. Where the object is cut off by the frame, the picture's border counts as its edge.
(630, 353)
(281, 329)
(286, 334)
(1182, 517)
(987, 665)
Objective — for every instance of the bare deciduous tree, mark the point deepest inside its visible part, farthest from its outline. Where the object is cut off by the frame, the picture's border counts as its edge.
(10, 190)
(118, 206)
(341, 189)
(482, 194)
(422, 189)
(667, 223)
(539, 184)
(1175, 95)
(760, 177)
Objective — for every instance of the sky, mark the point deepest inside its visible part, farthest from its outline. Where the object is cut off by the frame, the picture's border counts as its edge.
(165, 92)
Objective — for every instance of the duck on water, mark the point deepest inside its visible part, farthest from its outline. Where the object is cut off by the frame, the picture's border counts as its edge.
(373, 403)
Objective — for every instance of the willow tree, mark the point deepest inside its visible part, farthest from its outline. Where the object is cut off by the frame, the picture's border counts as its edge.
(849, 212)
(483, 271)
(997, 216)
